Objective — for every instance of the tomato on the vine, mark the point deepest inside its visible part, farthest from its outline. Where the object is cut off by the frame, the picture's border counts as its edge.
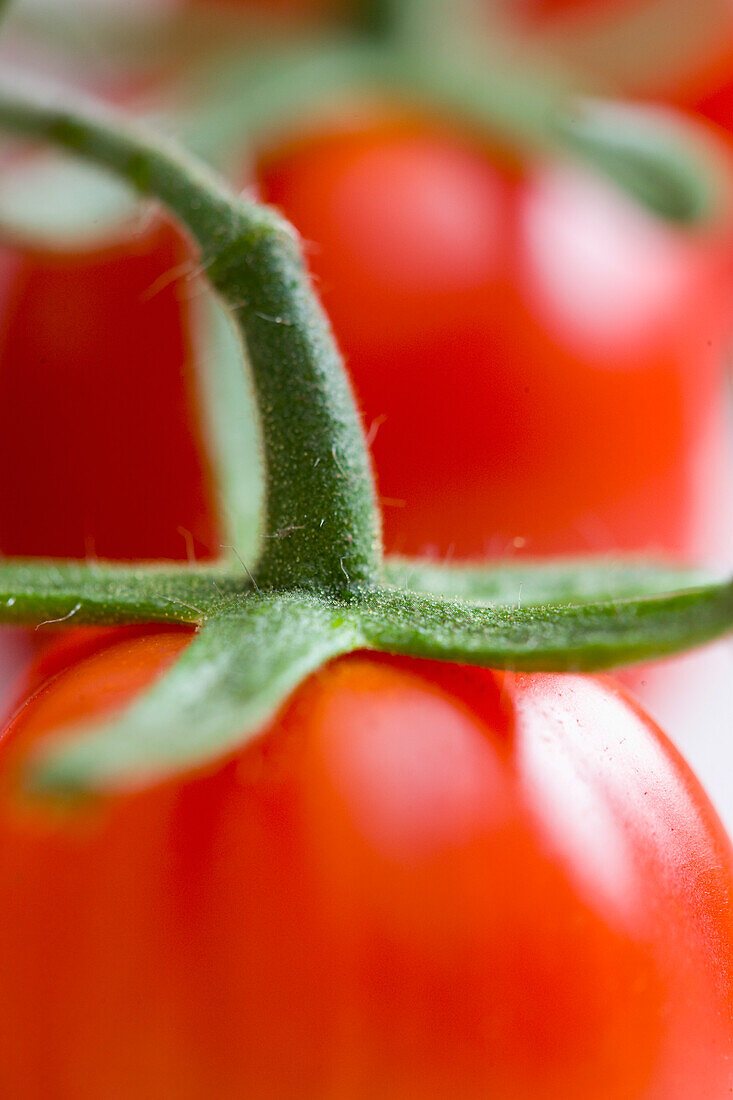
(539, 358)
(718, 105)
(396, 891)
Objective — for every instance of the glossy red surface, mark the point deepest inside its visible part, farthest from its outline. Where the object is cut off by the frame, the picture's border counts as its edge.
(102, 455)
(422, 880)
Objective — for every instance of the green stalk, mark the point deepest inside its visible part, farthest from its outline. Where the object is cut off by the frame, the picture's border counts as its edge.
(322, 527)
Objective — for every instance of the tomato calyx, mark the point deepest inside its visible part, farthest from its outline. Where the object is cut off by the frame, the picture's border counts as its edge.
(320, 586)
(254, 647)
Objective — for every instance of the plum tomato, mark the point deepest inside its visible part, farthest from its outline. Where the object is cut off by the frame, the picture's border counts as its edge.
(421, 880)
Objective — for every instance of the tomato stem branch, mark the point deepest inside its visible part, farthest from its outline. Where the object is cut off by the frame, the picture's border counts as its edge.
(322, 526)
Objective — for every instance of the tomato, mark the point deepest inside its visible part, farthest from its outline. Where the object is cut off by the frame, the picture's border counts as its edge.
(423, 880)
(102, 455)
(539, 359)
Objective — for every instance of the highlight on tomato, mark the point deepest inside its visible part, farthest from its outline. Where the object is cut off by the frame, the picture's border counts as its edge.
(422, 880)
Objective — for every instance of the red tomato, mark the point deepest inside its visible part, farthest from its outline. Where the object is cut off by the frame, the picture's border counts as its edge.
(102, 454)
(423, 880)
(539, 358)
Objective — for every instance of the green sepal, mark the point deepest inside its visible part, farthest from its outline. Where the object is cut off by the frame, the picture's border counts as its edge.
(661, 161)
(220, 693)
(34, 592)
(256, 648)
(583, 636)
(527, 581)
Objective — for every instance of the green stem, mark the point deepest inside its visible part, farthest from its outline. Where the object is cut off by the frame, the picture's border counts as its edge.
(321, 518)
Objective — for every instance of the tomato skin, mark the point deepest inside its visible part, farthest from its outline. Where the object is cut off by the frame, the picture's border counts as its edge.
(541, 358)
(423, 880)
(718, 105)
(103, 455)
